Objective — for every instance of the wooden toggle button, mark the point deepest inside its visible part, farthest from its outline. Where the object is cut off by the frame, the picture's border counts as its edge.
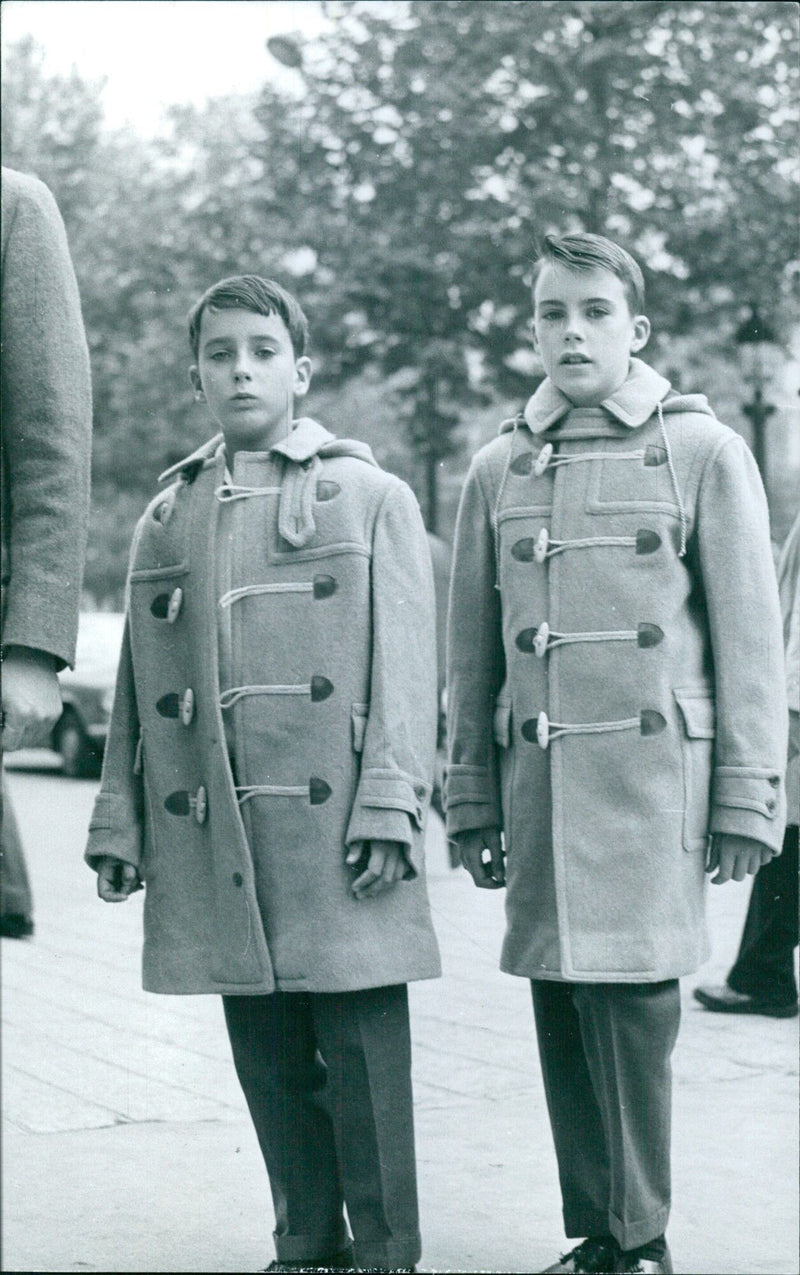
(522, 550)
(323, 587)
(318, 791)
(167, 606)
(649, 635)
(543, 460)
(174, 705)
(321, 688)
(181, 803)
(541, 640)
(651, 722)
(647, 541)
(542, 542)
(526, 639)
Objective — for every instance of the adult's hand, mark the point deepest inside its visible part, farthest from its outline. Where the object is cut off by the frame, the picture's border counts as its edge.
(31, 697)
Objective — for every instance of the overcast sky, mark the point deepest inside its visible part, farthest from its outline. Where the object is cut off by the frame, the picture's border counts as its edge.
(158, 52)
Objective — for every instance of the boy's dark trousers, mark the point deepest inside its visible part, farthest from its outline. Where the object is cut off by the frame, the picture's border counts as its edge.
(327, 1078)
(765, 965)
(605, 1054)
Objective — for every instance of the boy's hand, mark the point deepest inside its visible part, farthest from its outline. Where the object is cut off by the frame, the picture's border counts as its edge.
(383, 863)
(482, 855)
(116, 880)
(733, 857)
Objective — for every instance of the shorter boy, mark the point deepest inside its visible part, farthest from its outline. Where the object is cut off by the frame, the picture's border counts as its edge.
(268, 772)
(616, 706)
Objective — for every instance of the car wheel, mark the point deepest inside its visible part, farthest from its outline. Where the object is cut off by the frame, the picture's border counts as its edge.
(75, 748)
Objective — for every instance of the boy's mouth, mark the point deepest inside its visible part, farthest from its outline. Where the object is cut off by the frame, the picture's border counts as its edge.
(574, 358)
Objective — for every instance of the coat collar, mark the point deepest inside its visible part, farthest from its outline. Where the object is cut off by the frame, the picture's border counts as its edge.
(632, 404)
(305, 440)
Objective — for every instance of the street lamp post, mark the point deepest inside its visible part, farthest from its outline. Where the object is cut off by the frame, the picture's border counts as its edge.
(755, 340)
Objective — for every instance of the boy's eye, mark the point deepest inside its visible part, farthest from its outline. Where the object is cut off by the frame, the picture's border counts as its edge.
(597, 311)
(219, 355)
(551, 314)
(265, 352)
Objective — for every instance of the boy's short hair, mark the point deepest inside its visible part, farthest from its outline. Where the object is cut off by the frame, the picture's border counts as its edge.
(593, 252)
(261, 296)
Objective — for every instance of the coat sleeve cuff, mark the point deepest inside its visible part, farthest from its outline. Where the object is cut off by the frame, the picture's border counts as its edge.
(749, 801)
(112, 832)
(390, 806)
(471, 799)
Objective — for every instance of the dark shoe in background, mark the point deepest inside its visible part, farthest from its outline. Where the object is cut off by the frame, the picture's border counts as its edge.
(15, 926)
(724, 1000)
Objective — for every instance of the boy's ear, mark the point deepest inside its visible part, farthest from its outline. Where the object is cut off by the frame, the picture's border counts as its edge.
(641, 332)
(197, 384)
(302, 376)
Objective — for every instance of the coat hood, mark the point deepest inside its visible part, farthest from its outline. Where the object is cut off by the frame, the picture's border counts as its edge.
(632, 404)
(304, 447)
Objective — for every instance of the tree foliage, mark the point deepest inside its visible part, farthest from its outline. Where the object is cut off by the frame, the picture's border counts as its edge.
(401, 192)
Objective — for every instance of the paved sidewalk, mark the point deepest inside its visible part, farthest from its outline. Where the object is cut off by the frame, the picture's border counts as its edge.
(126, 1141)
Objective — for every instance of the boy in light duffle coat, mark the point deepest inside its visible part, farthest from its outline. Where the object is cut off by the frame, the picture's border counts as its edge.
(617, 710)
(268, 772)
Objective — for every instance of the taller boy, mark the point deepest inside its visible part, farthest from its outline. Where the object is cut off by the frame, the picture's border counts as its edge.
(615, 700)
(281, 602)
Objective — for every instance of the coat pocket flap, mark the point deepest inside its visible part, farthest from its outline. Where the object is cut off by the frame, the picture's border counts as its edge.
(358, 717)
(502, 721)
(696, 704)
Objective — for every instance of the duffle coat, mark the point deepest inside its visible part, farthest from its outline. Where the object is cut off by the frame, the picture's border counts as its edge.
(620, 696)
(324, 612)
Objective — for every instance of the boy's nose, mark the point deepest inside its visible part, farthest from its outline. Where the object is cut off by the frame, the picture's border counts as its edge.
(241, 372)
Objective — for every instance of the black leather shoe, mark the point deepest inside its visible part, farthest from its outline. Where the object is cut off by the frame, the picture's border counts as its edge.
(598, 1253)
(629, 1264)
(342, 1261)
(724, 1000)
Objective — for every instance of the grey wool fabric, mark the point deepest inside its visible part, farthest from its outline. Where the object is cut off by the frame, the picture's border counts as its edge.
(47, 424)
(660, 673)
(329, 688)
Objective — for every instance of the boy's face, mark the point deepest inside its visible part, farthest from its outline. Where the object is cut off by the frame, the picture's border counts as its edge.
(584, 331)
(248, 374)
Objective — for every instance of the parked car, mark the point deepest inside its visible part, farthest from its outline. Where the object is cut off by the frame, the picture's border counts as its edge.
(87, 692)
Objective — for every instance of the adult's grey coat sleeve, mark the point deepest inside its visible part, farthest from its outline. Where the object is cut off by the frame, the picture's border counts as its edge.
(397, 760)
(475, 666)
(47, 424)
(732, 527)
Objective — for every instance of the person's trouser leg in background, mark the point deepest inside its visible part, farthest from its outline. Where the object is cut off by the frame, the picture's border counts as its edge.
(333, 1131)
(365, 1040)
(16, 902)
(765, 965)
(606, 1066)
(274, 1051)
